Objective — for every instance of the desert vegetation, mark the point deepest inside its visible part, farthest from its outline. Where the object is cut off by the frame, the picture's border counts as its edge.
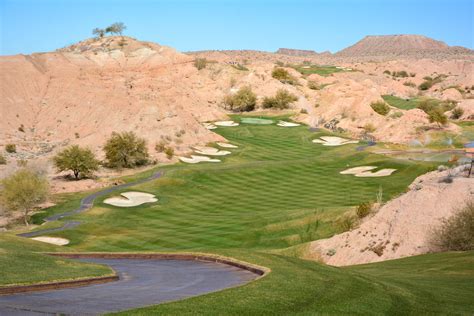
(457, 232)
(430, 82)
(283, 75)
(23, 191)
(200, 63)
(10, 148)
(281, 100)
(243, 100)
(380, 107)
(125, 150)
(116, 28)
(81, 161)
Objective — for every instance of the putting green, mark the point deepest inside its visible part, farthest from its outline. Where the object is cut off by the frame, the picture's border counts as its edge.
(254, 120)
(262, 204)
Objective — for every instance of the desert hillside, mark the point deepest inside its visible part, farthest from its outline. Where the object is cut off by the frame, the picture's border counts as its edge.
(401, 45)
(84, 92)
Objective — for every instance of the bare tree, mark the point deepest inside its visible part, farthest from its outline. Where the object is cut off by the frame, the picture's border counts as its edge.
(98, 32)
(116, 28)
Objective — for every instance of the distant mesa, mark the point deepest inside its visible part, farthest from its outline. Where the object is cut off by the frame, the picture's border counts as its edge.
(301, 52)
(400, 45)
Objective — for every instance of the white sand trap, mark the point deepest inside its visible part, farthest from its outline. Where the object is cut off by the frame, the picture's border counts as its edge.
(226, 145)
(197, 159)
(287, 124)
(130, 199)
(210, 151)
(226, 123)
(209, 126)
(52, 240)
(380, 173)
(357, 170)
(334, 141)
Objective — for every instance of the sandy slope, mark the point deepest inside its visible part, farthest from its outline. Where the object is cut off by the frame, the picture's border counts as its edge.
(402, 227)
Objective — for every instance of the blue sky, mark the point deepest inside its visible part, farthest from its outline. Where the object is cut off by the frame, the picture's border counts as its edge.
(28, 26)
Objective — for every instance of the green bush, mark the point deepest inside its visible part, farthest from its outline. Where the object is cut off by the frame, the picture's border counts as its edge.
(437, 116)
(76, 159)
(387, 72)
(243, 100)
(125, 150)
(457, 113)
(401, 74)
(23, 191)
(169, 151)
(283, 75)
(281, 100)
(200, 63)
(457, 232)
(380, 107)
(10, 148)
(425, 85)
(363, 209)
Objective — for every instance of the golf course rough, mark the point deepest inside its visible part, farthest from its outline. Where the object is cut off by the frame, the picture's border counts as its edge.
(263, 204)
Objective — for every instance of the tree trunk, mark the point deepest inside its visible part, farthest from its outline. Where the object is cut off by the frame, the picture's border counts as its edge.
(76, 174)
(25, 218)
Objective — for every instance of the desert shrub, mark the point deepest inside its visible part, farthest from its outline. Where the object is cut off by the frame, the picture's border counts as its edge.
(283, 75)
(387, 72)
(369, 128)
(3, 160)
(280, 63)
(364, 209)
(21, 128)
(346, 223)
(380, 107)
(412, 74)
(160, 147)
(240, 67)
(242, 100)
(429, 82)
(81, 161)
(10, 148)
(313, 85)
(23, 191)
(457, 232)
(429, 105)
(125, 150)
(457, 113)
(304, 111)
(200, 63)
(409, 84)
(281, 100)
(396, 115)
(437, 116)
(400, 74)
(169, 151)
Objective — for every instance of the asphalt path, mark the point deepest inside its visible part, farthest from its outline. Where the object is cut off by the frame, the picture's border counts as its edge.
(142, 282)
(86, 203)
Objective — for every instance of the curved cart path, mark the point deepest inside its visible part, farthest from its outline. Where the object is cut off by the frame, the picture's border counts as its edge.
(142, 282)
(86, 203)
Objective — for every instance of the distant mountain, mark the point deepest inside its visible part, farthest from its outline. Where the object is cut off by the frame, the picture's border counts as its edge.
(401, 45)
(301, 52)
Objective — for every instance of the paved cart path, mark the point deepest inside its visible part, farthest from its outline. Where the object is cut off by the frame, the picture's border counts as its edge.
(86, 203)
(142, 282)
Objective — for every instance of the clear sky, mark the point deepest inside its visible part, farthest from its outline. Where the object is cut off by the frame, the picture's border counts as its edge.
(28, 26)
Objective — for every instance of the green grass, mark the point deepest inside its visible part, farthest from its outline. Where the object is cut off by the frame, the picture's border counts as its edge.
(315, 69)
(20, 264)
(264, 196)
(401, 103)
(263, 204)
(422, 285)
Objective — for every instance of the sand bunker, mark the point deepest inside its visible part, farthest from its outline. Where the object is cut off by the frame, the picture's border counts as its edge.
(209, 126)
(130, 199)
(357, 170)
(197, 159)
(334, 141)
(287, 124)
(253, 120)
(226, 123)
(226, 145)
(380, 173)
(210, 151)
(52, 240)
(365, 172)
